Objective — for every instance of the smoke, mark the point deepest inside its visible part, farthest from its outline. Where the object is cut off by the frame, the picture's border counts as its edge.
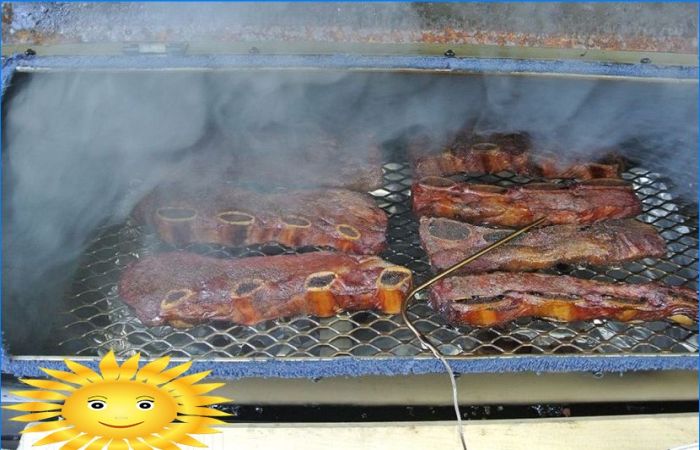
(80, 149)
(651, 122)
(73, 145)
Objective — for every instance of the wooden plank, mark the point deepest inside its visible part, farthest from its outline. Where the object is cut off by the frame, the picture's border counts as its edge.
(474, 389)
(383, 49)
(652, 432)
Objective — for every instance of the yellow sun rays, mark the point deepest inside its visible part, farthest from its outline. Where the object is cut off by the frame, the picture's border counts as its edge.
(194, 414)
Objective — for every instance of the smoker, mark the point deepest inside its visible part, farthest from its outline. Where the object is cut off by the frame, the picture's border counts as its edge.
(102, 104)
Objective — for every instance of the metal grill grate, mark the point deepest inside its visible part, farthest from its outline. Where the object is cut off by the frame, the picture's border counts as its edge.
(100, 321)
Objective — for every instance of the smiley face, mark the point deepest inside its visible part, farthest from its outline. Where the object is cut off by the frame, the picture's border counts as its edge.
(120, 409)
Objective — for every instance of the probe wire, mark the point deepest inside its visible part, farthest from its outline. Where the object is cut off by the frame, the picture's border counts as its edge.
(425, 343)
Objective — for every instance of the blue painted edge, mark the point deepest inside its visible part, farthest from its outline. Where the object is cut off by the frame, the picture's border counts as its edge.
(345, 61)
(349, 366)
(9, 64)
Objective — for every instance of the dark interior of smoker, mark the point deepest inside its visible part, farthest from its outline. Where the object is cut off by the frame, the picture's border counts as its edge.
(81, 148)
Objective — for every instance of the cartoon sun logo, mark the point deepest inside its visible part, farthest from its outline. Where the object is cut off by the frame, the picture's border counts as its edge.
(121, 407)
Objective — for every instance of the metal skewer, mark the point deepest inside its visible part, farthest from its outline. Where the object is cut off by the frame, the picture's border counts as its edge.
(424, 341)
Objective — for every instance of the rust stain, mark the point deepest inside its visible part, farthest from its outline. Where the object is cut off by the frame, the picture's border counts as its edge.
(598, 42)
(447, 36)
(33, 37)
(7, 14)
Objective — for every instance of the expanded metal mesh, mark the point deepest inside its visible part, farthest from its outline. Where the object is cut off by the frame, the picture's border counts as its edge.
(100, 321)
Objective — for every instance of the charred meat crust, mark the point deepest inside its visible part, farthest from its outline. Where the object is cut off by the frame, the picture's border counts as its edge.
(575, 203)
(183, 289)
(342, 219)
(497, 152)
(496, 298)
(447, 242)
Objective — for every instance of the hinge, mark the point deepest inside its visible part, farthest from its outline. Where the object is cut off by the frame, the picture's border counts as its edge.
(155, 48)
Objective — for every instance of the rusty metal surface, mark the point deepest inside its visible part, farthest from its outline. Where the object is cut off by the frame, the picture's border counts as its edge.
(667, 27)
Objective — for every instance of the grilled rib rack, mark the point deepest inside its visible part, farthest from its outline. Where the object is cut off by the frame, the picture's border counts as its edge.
(99, 320)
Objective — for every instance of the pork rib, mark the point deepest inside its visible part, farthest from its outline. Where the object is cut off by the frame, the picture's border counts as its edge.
(448, 242)
(576, 203)
(498, 152)
(495, 298)
(183, 289)
(345, 220)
